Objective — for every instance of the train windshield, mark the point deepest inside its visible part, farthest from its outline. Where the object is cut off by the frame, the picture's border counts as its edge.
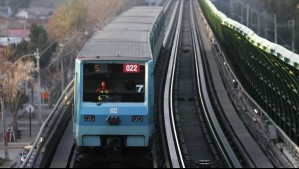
(113, 83)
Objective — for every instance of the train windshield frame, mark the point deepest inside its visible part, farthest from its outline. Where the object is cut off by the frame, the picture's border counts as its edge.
(114, 82)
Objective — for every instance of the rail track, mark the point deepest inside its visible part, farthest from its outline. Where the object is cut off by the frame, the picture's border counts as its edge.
(190, 118)
(192, 136)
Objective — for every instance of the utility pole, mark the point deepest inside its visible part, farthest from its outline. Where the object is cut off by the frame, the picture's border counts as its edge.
(266, 27)
(242, 14)
(61, 45)
(62, 75)
(231, 9)
(30, 112)
(259, 22)
(275, 28)
(293, 35)
(37, 56)
(4, 127)
(248, 16)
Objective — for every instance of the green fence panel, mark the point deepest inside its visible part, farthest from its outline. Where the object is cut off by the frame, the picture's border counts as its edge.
(268, 72)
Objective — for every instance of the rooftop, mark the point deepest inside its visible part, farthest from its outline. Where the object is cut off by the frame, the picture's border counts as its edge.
(39, 11)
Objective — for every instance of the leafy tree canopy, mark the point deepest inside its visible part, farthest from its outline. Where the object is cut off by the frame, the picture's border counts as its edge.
(39, 39)
(68, 18)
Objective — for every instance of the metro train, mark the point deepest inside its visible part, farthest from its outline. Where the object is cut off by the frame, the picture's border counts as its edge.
(114, 82)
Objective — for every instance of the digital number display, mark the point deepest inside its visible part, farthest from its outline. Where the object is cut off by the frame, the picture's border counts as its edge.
(131, 68)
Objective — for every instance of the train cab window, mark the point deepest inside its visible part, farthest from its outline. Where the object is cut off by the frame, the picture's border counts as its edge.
(113, 83)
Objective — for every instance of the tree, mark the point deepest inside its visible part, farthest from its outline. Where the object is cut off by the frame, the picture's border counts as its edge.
(15, 75)
(100, 11)
(5, 55)
(39, 39)
(23, 71)
(78, 15)
(20, 49)
(38, 36)
(67, 19)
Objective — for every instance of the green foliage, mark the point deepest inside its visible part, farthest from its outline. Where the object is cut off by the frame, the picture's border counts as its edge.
(2, 161)
(46, 57)
(24, 98)
(39, 39)
(20, 49)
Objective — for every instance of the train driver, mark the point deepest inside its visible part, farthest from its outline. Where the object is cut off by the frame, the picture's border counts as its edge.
(102, 91)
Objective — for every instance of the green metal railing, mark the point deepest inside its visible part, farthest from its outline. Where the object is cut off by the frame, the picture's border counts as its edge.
(267, 71)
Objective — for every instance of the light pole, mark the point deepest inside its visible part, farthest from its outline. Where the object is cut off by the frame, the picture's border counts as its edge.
(4, 127)
(61, 46)
(37, 57)
(291, 24)
(30, 112)
(293, 35)
(3, 124)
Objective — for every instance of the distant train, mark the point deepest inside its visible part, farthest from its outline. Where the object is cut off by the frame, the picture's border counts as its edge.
(114, 86)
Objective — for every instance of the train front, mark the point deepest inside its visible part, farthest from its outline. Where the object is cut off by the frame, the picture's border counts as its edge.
(114, 103)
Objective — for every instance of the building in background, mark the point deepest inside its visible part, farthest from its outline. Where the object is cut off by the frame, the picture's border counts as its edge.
(38, 13)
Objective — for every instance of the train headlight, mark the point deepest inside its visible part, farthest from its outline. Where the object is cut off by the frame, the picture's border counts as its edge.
(137, 118)
(89, 118)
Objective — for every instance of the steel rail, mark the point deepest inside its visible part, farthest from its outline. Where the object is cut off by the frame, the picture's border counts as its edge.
(176, 156)
(169, 27)
(212, 121)
(166, 7)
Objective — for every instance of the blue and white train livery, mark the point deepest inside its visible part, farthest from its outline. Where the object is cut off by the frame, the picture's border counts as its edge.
(114, 86)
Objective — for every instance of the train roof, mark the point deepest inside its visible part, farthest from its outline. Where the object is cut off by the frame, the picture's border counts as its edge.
(134, 19)
(121, 36)
(126, 36)
(129, 27)
(142, 12)
(118, 43)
